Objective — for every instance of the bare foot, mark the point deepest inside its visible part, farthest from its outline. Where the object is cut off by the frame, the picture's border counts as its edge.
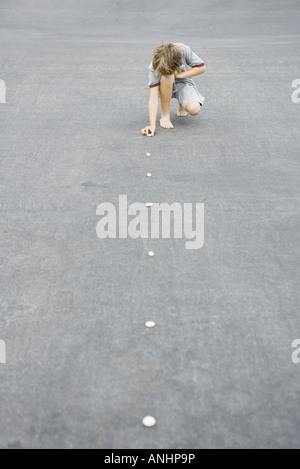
(181, 111)
(166, 123)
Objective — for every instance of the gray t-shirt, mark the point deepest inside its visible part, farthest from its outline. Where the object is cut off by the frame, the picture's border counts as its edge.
(189, 60)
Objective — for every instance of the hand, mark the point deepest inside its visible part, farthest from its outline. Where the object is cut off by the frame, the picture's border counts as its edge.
(148, 131)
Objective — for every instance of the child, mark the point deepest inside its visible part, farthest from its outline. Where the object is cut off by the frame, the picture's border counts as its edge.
(170, 76)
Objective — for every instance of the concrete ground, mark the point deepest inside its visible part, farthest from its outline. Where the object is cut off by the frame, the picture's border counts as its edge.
(82, 370)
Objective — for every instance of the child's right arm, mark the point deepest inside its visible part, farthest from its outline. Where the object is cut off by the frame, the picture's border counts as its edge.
(152, 108)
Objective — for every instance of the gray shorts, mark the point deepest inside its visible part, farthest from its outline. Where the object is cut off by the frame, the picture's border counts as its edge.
(187, 93)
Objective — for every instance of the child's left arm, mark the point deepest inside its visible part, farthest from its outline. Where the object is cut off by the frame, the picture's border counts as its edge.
(193, 72)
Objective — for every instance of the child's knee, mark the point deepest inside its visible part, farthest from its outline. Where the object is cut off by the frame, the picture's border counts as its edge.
(193, 108)
(168, 79)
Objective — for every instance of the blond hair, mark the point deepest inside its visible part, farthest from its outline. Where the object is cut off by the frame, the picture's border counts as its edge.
(167, 59)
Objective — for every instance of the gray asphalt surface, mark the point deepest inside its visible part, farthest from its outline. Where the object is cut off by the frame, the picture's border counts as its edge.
(82, 370)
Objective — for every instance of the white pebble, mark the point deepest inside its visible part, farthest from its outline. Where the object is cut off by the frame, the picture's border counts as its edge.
(150, 324)
(151, 253)
(148, 154)
(149, 421)
(149, 175)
